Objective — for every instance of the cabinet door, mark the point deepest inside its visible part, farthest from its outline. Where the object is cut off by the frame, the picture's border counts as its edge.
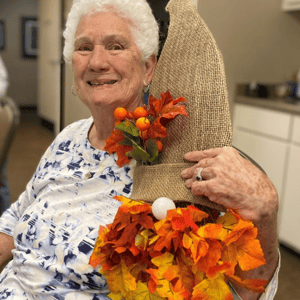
(289, 218)
(290, 5)
(268, 153)
(274, 124)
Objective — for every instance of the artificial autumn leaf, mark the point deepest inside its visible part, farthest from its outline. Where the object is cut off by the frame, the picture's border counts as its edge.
(120, 280)
(239, 229)
(228, 221)
(215, 270)
(248, 255)
(142, 293)
(113, 145)
(156, 130)
(158, 105)
(132, 206)
(212, 289)
(254, 285)
(212, 256)
(152, 149)
(212, 231)
(138, 153)
(157, 281)
(96, 258)
(129, 128)
(164, 110)
(184, 275)
(199, 247)
(196, 214)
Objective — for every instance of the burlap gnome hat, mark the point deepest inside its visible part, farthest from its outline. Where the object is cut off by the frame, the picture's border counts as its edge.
(191, 66)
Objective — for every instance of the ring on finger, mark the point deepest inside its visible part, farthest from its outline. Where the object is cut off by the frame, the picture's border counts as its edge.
(199, 177)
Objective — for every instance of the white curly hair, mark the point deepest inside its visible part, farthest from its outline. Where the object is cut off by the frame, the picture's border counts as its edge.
(145, 29)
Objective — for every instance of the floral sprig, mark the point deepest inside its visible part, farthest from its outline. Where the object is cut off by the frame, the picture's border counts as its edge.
(184, 256)
(137, 134)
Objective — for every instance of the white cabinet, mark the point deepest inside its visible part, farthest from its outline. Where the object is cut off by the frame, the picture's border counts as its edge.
(289, 217)
(268, 153)
(272, 139)
(290, 5)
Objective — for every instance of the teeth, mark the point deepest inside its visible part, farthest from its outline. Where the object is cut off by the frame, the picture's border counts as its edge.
(102, 83)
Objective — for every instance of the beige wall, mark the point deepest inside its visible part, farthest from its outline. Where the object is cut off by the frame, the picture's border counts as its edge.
(22, 72)
(258, 40)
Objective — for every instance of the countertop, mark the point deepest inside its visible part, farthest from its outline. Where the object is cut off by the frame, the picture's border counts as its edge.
(275, 104)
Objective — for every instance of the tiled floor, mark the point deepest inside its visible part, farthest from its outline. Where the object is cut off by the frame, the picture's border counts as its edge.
(32, 140)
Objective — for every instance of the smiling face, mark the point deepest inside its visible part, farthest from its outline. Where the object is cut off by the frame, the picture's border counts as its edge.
(107, 65)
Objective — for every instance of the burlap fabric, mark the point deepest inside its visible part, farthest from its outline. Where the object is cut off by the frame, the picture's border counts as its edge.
(191, 66)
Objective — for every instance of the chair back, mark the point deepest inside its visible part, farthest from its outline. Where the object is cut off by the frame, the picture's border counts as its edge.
(9, 121)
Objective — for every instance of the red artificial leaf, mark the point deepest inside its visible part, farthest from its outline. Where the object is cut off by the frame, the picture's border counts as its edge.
(196, 214)
(113, 145)
(215, 270)
(254, 285)
(213, 255)
(164, 110)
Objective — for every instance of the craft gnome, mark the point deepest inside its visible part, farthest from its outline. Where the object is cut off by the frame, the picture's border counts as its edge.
(179, 247)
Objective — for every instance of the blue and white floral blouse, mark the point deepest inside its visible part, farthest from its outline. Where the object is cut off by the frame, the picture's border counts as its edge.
(55, 221)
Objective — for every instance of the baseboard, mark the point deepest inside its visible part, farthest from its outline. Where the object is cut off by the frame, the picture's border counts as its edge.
(28, 108)
(290, 249)
(32, 109)
(47, 124)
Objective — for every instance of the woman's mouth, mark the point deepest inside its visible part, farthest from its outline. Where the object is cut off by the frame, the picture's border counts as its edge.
(94, 83)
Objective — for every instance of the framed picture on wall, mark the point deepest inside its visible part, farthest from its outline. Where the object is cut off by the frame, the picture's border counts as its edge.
(2, 35)
(29, 37)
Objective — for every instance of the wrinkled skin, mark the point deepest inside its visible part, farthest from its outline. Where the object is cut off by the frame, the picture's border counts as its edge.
(232, 181)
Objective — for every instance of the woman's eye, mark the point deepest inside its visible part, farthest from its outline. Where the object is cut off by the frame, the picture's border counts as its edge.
(84, 48)
(116, 47)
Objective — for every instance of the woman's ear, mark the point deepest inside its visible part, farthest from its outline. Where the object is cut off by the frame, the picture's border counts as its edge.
(150, 68)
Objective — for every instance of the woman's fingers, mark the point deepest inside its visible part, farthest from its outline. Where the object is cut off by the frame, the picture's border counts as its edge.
(198, 155)
(192, 171)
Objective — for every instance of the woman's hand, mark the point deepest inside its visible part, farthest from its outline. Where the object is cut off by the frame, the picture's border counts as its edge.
(234, 182)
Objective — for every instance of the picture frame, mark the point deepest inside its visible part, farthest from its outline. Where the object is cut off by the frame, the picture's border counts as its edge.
(29, 37)
(2, 35)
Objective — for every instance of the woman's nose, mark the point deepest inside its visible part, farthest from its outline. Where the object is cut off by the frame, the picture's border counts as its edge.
(99, 59)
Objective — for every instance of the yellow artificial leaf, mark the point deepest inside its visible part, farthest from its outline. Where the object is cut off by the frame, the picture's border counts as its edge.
(187, 241)
(132, 206)
(228, 221)
(212, 289)
(119, 279)
(141, 239)
(115, 296)
(142, 293)
(165, 260)
(164, 288)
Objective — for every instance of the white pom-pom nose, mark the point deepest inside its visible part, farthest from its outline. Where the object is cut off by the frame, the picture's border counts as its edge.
(160, 207)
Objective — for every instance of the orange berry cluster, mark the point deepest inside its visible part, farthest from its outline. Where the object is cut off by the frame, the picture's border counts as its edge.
(142, 123)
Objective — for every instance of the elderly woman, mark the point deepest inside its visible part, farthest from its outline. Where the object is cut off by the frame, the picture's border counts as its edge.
(50, 231)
